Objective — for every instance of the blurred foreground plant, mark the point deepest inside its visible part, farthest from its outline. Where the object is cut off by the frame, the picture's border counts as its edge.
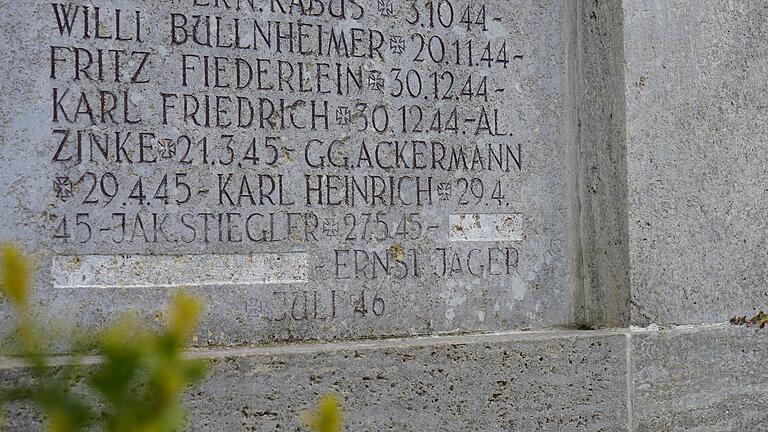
(327, 418)
(135, 387)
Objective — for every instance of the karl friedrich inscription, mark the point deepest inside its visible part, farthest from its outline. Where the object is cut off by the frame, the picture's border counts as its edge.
(369, 167)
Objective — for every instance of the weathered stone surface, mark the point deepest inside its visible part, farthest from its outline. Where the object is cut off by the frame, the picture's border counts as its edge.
(539, 381)
(697, 118)
(400, 170)
(614, 174)
(598, 86)
(704, 379)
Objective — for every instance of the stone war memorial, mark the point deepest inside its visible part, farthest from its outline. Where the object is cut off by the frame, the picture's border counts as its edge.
(494, 215)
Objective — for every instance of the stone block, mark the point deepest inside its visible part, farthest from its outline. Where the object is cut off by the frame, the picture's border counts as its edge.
(537, 381)
(696, 123)
(710, 378)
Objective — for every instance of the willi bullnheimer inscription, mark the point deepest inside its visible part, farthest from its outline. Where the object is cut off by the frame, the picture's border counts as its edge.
(315, 168)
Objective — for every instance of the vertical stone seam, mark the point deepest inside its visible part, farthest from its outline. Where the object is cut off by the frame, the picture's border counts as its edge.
(574, 76)
(625, 235)
(602, 182)
(624, 137)
(630, 384)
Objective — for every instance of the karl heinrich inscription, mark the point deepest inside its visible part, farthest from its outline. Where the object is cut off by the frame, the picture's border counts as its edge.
(362, 162)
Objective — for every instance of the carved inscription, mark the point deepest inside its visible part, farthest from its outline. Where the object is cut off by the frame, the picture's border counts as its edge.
(378, 137)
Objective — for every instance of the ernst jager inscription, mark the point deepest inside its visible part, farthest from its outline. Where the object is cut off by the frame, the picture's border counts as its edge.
(316, 167)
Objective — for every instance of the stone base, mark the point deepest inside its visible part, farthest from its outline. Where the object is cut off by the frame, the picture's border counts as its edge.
(704, 378)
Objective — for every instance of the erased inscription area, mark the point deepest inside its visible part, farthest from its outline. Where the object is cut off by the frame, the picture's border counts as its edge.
(375, 137)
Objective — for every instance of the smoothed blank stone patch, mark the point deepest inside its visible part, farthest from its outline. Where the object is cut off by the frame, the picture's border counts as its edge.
(146, 271)
(486, 227)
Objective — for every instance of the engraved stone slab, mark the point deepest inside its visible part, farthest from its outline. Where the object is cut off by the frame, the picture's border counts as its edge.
(312, 169)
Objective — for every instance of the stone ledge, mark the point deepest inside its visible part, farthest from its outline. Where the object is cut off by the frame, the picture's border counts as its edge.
(304, 347)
